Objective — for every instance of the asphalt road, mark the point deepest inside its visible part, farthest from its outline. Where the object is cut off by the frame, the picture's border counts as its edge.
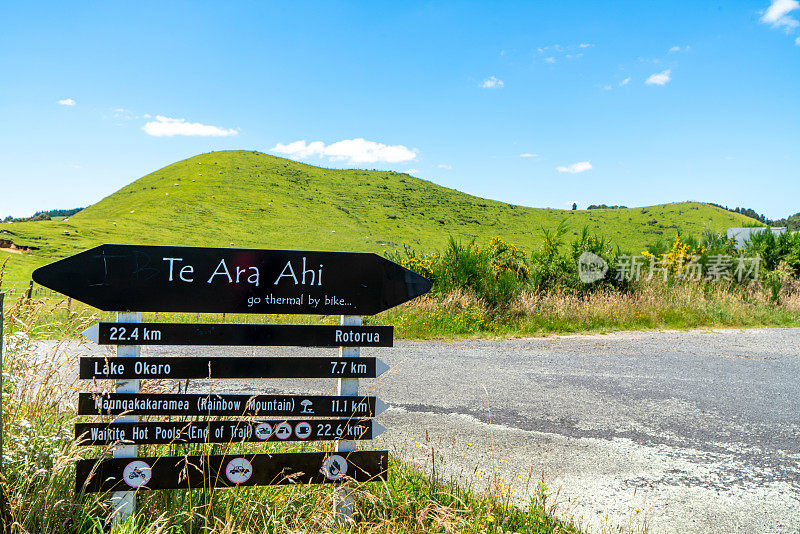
(680, 431)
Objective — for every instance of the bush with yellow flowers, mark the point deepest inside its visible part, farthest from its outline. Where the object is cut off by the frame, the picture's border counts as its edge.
(678, 256)
(507, 257)
(495, 273)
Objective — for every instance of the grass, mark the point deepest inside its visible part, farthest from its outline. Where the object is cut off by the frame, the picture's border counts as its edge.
(39, 458)
(651, 305)
(250, 199)
(654, 306)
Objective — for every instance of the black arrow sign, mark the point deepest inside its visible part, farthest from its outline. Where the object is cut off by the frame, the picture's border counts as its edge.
(232, 367)
(233, 405)
(227, 431)
(184, 472)
(194, 279)
(240, 334)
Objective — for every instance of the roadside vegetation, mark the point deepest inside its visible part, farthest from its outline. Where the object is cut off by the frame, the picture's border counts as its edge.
(39, 457)
(499, 290)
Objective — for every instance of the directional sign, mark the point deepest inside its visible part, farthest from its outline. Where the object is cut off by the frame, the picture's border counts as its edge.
(178, 472)
(194, 279)
(227, 431)
(237, 405)
(232, 367)
(240, 334)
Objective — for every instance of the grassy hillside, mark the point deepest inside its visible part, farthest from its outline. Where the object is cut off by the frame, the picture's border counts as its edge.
(250, 199)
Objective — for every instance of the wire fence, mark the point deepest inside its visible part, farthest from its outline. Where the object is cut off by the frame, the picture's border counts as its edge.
(31, 291)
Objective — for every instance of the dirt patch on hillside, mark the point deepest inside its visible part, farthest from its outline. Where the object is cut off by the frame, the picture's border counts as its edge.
(6, 245)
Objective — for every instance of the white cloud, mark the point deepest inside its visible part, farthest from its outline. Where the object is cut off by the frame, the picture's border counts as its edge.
(361, 151)
(67, 102)
(445, 166)
(680, 49)
(412, 171)
(778, 11)
(556, 53)
(299, 149)
(350, 150)
(660, 78)
(528, 155)
(124, 114)
(797, 41)
(626, 81)
(575, 168)
(167, 127)
(492, 83)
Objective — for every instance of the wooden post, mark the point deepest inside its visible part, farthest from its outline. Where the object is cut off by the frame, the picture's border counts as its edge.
(5, 516)
(1, 395)
(343, 499)
(123, 503)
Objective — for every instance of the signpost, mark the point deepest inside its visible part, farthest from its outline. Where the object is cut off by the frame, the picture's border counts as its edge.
(231, 367)
(228, 405)
(225, 431)
(240, 334)
(134, 278)
(123, 503)
(179, 472)
(348, 388)
(224, 280)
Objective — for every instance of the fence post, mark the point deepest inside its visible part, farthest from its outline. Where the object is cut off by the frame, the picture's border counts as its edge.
(348, 387)
(5, 515)
(123, 503)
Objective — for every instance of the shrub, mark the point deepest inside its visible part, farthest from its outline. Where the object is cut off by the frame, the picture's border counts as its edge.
(500, 271)
(776, 249)
(553, 270)
(495, 274)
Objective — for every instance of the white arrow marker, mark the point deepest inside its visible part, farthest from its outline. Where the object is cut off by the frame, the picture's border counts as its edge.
(377, 429)
(380, 406)
(92, 333)
(380, 367)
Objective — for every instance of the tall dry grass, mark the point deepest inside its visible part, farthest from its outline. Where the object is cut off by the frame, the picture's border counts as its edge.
(650, 305)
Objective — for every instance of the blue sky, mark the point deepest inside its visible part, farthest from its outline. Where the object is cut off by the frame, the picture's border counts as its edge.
(535, 103)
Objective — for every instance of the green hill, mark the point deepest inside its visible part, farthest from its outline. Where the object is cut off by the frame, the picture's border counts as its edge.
(250, 199)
